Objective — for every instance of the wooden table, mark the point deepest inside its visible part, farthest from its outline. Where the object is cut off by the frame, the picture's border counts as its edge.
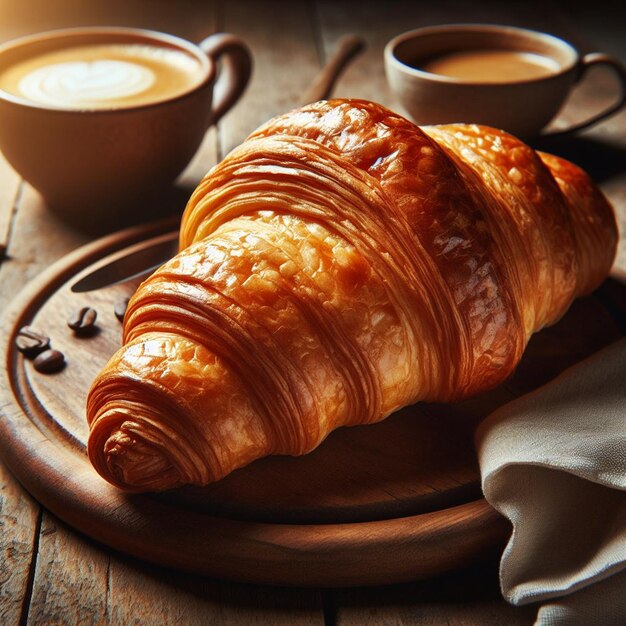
(51, 574)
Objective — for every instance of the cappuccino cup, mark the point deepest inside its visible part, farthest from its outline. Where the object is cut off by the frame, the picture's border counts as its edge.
(509, 78)
(97, 119)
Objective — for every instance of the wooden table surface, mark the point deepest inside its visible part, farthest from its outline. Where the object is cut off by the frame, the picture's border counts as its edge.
(50, 573)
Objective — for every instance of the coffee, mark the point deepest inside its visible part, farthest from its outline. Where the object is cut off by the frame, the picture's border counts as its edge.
(49, 361)
(103, 76)
(491, 66)
(120, 308)
(31, 342)
(83, 321)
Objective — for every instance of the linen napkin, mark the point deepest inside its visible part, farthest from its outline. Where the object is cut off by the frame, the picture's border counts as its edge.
(554, 463)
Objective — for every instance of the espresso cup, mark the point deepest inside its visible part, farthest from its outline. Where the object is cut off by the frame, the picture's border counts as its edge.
(84, 133)
(518, 100)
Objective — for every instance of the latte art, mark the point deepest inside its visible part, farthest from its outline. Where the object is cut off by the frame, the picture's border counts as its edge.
(82, 83)
(103, 76)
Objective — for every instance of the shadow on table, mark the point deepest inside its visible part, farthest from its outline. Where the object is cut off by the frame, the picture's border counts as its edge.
(602, 160)
(466, 596)
(162, 203)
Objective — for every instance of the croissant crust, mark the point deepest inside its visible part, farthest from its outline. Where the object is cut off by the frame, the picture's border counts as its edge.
(338, 265)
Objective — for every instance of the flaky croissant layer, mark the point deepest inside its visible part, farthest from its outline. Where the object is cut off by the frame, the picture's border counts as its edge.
(338, 265)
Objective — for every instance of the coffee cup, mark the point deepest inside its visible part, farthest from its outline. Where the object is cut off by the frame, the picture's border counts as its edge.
(97, 119)
(511, 78)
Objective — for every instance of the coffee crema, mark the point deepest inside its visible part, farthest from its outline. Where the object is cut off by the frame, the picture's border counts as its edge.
(491, 66)
(103, 76)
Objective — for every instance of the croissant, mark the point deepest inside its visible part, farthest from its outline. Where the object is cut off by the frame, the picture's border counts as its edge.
(338, 265)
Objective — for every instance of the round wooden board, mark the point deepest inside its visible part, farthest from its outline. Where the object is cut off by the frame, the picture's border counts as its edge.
(373, 504)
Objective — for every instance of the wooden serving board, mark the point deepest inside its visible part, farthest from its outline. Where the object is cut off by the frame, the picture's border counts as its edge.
(373, 504)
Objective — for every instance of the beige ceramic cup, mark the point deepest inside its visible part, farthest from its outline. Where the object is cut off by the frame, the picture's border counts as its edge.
(106, 160)
(522, 108)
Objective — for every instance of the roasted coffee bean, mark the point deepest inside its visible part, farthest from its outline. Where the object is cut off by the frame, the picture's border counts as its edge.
(49, 361)
(83, 321)
(120, 309)
(31, 342)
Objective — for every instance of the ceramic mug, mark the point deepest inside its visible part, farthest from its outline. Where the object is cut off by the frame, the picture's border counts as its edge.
(521, 107)
(96, 159)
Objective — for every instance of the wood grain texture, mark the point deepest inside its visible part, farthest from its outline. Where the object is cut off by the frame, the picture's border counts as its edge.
(68, 566)
(600, 150)
(19, 512)
(108, 588)
(18, 528)
(140, 594)
(18, 516)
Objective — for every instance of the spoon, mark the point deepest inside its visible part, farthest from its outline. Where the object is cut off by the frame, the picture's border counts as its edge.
(348, 48)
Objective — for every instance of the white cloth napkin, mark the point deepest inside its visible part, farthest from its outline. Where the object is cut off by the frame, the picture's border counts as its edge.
(554, 463)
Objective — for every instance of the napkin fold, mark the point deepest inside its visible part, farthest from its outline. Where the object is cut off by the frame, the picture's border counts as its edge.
(554, 463)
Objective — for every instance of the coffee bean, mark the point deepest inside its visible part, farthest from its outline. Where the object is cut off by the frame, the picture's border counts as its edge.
(31, 342)
(120, 308)
(83, 321)
(49, 362)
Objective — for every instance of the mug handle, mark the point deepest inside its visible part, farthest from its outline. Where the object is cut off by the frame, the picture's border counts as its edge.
(588, 61)
(234, 74)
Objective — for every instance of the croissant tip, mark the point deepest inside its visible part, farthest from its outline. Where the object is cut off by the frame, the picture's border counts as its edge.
(136, 465)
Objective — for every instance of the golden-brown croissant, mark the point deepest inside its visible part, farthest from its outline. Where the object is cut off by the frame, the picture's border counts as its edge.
(338, 265)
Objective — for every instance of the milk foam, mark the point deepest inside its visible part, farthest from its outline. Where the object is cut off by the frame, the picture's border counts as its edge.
(81, 83)
(103, 76)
